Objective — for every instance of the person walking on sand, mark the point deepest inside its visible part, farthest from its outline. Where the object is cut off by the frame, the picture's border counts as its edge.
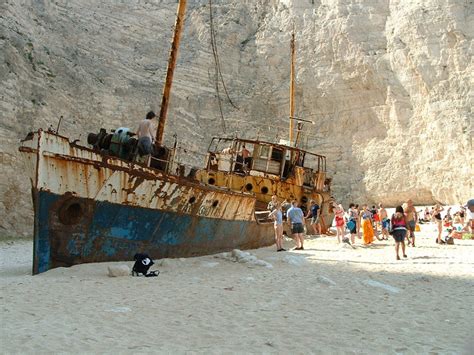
(295, 218)
(314, 212)
(277, 215)
(439, 221)
(385, 221)
(368, 231)
(412, 218)
(358, 220)
(399, 228)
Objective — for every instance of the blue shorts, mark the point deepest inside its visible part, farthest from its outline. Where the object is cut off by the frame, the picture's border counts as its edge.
(385, 223)
(411, 226)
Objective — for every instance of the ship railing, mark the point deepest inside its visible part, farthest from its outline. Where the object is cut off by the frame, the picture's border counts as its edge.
(263, 217)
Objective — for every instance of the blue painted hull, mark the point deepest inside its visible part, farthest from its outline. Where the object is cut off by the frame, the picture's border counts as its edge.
(96, 231)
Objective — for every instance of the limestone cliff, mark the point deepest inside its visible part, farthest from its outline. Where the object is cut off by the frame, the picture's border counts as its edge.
(387, 83)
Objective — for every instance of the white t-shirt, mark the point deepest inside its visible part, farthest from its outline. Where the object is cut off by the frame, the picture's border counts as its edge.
(146, 129)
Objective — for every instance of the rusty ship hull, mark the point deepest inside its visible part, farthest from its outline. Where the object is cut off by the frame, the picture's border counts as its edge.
(89, 207)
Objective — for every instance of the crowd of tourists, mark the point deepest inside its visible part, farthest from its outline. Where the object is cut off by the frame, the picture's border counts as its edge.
(369, 223)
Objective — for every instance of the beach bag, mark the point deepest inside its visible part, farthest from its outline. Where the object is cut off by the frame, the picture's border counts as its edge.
(417, 228)
(143, 262)
(350, 225)
(390, 228)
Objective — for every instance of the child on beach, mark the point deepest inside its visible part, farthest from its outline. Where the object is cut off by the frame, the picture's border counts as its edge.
(399, 228)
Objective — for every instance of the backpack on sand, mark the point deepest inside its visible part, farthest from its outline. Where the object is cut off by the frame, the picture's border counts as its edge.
(143, 262)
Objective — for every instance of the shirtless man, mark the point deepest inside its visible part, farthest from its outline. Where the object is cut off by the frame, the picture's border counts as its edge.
(385, 221)
(272, 204)
(412, 218)
(146, 134)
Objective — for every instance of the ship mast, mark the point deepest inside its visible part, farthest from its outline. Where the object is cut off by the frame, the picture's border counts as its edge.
(169, 74)
(292, 86)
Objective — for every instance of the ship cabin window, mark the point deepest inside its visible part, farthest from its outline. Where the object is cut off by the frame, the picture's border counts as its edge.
(244, 157)
(268, 159)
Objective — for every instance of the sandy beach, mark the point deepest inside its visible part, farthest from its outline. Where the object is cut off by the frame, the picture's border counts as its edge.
(327, 298)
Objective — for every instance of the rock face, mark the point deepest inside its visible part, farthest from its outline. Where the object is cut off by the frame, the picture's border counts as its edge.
(387, 83)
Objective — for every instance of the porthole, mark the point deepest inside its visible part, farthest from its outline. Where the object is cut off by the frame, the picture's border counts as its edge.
(264, 190)
(215, 203)
(192, 199)
(249, 187)
(211, 181)
(70, 213)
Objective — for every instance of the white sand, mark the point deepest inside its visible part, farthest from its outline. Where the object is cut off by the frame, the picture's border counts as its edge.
(325, 299)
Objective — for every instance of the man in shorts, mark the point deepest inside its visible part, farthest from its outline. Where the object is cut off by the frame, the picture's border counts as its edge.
(314, 212)
(385, 221)
(295, 218)
(412, 218)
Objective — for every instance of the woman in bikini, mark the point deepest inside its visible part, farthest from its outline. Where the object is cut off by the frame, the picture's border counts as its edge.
(439, 221)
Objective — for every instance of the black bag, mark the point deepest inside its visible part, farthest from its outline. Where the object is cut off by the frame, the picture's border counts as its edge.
(143, 262)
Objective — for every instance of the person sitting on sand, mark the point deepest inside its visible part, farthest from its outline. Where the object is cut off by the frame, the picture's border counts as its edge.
(427, 215)
(399, 228)
(470, 217)
(462, 214)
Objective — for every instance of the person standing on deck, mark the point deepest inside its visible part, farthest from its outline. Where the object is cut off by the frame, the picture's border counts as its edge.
(296, 220)
(412, 218)
(272, 204)
(146, 134)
